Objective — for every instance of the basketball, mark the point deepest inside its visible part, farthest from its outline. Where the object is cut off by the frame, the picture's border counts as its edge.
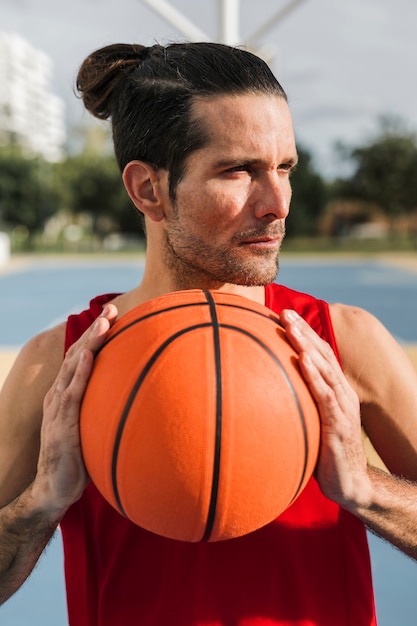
(196, 423)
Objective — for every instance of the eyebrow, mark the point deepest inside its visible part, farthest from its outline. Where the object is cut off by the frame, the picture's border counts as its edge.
(243, 161)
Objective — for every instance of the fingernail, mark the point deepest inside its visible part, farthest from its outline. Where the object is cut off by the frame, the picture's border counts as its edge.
(292, 315)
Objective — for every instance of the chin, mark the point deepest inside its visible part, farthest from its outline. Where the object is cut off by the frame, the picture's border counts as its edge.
(255, 279)
(258, 276)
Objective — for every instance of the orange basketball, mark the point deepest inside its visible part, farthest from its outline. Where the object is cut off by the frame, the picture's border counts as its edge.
(196, 423)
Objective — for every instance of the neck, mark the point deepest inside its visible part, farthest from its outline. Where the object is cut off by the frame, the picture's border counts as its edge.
(157, 283)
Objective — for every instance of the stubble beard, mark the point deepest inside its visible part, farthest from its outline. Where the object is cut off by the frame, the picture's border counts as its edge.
(194, 264)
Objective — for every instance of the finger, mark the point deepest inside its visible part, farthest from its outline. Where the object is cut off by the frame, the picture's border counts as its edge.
(61, 474)
(92, 340)
(95, 335)
(79, 381)
(334, 396)
(71, 382)
(299, 333)
(304, 339)
(323, 392)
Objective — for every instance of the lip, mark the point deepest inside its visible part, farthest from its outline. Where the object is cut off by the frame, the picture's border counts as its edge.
(263, 242)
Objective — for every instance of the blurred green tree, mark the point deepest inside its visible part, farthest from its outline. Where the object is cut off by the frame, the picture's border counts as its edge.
(92, 185)
(28, 195)
(309, 196)
(384, 169)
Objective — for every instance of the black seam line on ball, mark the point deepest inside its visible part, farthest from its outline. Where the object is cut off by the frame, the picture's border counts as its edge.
(128, 406)
(147, 316)
(219, 410)
(291, 388)
(184, 306)
(271, 317)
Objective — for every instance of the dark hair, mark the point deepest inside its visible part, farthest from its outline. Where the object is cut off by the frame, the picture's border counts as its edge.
(148, 93)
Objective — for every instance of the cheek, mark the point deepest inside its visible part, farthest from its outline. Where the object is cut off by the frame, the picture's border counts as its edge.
(228, 205)
(214, 208)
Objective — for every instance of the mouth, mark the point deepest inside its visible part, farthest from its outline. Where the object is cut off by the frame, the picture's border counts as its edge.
(272, 236)
(265, 243)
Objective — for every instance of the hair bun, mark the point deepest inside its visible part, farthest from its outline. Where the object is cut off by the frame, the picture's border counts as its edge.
(101, 73)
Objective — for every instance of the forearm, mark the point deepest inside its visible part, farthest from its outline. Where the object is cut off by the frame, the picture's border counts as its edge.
(391, 511)
(24, 532)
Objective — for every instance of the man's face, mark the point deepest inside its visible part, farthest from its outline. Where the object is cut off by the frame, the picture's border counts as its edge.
(228, 220)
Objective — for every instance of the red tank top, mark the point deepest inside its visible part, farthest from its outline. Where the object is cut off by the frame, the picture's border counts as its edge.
(309, 567)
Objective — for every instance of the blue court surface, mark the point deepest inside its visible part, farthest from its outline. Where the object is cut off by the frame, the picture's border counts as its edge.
(41, 293)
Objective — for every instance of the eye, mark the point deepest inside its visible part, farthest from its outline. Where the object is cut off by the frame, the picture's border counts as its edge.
(287, 167)
(240, 168)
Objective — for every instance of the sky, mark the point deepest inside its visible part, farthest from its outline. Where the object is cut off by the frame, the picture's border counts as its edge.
(343, 63)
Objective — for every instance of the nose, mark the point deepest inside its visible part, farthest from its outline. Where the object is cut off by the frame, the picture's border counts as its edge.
(273, 196)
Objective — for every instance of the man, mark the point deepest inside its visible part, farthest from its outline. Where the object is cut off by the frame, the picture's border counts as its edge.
(204, 138)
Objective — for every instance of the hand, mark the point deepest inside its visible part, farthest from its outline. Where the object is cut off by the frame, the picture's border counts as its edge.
(61, 475)
(342, 469)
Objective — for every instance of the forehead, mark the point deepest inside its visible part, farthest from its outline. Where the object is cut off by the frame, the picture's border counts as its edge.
(248, 122)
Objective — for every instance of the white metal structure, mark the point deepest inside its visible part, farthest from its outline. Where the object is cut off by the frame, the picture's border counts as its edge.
(228, 31)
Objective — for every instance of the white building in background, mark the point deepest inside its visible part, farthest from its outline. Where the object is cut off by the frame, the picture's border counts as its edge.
(30, 114)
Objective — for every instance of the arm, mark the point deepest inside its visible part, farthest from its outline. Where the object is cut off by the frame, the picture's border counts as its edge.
(387, 504)
(54, 476)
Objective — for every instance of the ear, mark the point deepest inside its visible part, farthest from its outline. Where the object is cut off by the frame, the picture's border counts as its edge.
(144, 184)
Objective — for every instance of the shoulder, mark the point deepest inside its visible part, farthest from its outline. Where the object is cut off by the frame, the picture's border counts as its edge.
(358, 332)
(352, 317)
(45, 351)
(21, 409)
(363, 342)
(35, 369)
(366, 347)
